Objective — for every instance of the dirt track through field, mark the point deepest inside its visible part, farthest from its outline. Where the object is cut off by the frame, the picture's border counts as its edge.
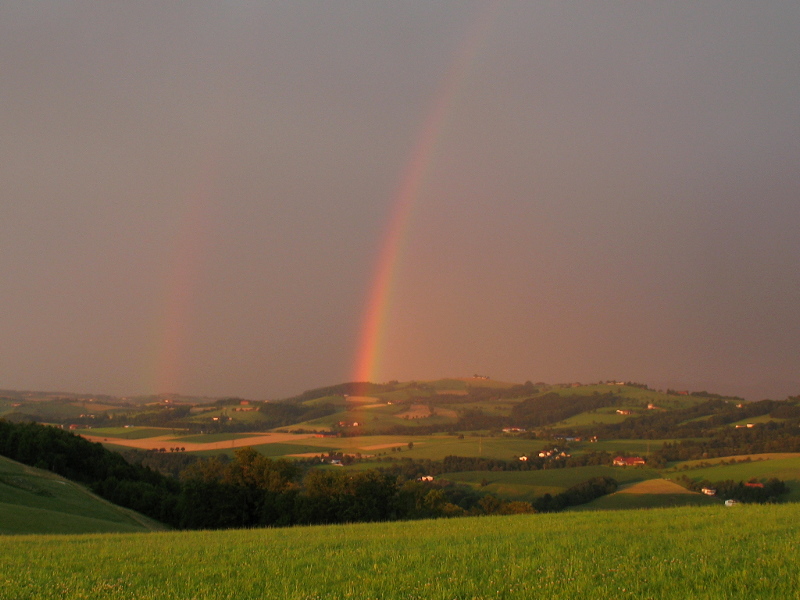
(168, 441)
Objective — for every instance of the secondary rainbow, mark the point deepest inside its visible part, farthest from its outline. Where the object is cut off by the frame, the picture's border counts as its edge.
(183, 277)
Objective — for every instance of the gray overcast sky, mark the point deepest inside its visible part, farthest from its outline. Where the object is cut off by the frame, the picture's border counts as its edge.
(193, 195)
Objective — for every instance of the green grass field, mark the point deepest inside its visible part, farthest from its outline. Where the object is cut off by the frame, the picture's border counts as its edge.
(759, 419)
(35, 501)
(699, 553)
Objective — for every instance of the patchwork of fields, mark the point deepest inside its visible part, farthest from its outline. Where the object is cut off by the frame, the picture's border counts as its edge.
(433, 447)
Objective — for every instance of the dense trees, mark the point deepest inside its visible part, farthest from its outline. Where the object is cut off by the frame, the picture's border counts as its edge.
(764, 437)
(577, 494)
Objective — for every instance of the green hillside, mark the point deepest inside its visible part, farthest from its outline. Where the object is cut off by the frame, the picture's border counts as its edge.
(36, 501)
(699, 553)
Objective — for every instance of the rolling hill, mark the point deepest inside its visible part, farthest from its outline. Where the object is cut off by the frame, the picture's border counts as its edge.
(37, 501)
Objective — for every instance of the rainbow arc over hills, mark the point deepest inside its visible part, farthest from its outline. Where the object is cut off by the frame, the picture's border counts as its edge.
(382, 290)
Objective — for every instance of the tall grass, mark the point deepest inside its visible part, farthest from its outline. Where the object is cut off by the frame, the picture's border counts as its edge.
(699, 553)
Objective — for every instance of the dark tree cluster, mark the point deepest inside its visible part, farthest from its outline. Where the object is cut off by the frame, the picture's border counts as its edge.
(577, 494)
(763, 438)
(552, 408)
(254, 491)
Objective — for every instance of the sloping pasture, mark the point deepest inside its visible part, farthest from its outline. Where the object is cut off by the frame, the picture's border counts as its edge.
(36, 501)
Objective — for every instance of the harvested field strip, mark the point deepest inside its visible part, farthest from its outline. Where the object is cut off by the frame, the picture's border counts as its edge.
(171, 442)
(654, 486)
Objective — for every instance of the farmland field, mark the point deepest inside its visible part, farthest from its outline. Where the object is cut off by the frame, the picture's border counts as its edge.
(699, 553)
(227, 441)
(128, 433)
(208, 438)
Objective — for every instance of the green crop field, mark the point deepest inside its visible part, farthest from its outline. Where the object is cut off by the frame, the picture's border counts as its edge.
(36, 501)
(641, 447)
(128, 433)
(591, 418)
(699, 553)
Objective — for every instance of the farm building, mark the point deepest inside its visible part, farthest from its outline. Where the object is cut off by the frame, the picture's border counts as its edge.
(628, 461)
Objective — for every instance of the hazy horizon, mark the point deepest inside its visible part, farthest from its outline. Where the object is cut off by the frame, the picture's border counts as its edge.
(201, 198)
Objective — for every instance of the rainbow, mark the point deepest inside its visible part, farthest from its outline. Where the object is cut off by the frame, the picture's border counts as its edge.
(183, 277)
(378, 306)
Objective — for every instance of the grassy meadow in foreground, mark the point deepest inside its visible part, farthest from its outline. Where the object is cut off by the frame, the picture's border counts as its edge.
(713, 552)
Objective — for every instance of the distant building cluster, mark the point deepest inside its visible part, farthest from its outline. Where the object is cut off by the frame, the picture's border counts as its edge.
(554, 453)
(628, 461)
